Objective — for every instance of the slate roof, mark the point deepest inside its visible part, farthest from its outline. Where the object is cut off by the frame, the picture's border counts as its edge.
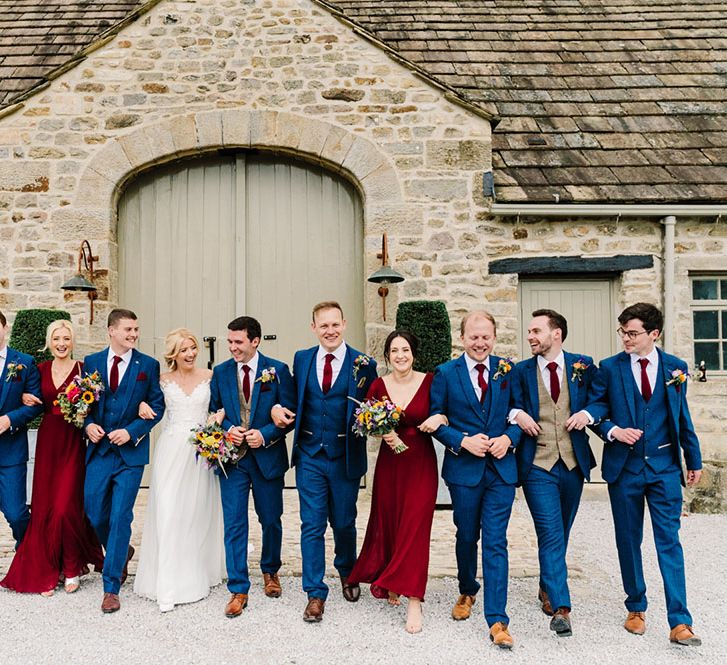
(38, 36)
(616, 101)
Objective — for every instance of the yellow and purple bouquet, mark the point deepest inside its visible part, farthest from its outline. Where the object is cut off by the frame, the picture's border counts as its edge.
(78, 398)
(215, 446)
(376, 417)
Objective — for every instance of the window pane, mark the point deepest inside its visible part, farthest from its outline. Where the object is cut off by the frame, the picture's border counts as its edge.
(704, 289)
(705, 325)
(723, 286)
(709, 352)
(724, 355)
(723, 314)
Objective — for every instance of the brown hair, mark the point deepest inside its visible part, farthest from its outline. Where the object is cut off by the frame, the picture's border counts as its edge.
(115, 315)
(555, 320)
(3, 320)
(478, 313)
(648, 314)
(326, 304)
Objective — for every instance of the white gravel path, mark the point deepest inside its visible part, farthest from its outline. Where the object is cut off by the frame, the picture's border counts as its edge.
(71, 629)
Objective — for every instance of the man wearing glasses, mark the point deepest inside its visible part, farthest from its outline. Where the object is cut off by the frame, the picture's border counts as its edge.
(647, 432)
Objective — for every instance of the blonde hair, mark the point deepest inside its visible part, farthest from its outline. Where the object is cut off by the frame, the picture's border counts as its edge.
(326, 304)
(477, 314)
(173, 342)
(55, 325)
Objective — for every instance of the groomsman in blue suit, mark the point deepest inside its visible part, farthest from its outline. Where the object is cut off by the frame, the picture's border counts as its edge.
(247, 386)
(473, 391)
(18, 375)
(550, 400)
(329, 458)
(647, 432)
(119, 444)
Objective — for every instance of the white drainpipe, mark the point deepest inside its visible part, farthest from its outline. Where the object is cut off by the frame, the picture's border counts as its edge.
(669, 222)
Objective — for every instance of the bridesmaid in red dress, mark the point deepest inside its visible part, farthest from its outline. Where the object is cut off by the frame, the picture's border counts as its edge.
(394, 557)
(60, 541)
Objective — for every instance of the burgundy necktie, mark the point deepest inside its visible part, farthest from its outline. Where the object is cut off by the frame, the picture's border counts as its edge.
(246, 382)
(114, 376)
(554, 382)
(481, 381)
(327, 373)
(645, 385)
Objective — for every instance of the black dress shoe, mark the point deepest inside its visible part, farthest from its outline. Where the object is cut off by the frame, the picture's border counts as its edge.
(560, 622)
(351, 592)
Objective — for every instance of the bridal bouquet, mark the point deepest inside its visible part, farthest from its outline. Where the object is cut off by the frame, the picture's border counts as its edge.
(376, 417)
(215, 446)
(78, 398)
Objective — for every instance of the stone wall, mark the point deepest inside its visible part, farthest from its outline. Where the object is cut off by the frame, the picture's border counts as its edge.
(285, 76)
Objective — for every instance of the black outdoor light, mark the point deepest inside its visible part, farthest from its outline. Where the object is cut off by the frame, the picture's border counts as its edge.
(385, 275)
(78, 282)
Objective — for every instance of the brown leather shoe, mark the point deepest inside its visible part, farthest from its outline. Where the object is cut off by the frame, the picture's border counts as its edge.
(125, 571)
(351, 592)
(237, 603)
(545, 603)
(313, 612)
(560, 622)
(463, 607)
(500, 636)
(636, 623)
(110, 603)
(684, 635)
(272, 585)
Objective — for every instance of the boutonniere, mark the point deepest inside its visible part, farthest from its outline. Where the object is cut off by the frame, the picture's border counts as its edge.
(361, 360)
(268, 375)
(678, 377)
(579, 369)
(503, 367)
(14, 370)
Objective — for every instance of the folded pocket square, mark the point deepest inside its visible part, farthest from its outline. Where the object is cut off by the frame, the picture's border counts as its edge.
(142, 377)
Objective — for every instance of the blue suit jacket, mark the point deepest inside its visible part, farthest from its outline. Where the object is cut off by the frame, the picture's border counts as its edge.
(272, 456)
(139, 384)
(356, 462)
(614, 388)
(452, 395)
(525, 397)
(14, 442)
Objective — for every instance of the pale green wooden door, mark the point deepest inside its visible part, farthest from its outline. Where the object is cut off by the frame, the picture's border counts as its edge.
(588, 306)
(202, 241)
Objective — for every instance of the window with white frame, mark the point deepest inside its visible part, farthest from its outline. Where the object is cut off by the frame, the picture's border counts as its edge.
(709, 319)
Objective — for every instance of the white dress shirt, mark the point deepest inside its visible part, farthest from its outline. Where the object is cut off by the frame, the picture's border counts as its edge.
(339, 355)
(652, 368)
(474, 373)
(252, 364)
(123, 365)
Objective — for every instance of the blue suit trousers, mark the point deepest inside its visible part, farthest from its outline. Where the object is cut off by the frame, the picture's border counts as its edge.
(13, 497)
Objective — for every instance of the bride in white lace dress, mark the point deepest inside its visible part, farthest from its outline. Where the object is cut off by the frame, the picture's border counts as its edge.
(182, 548)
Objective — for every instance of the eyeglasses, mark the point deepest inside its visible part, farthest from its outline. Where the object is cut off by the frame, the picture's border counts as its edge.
(631, 334)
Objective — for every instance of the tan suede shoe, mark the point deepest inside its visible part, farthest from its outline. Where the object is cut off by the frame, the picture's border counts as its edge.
(463, 607)
(272, 585)
(684, 635)
(500, 636)
(636, 623)
(237, 603)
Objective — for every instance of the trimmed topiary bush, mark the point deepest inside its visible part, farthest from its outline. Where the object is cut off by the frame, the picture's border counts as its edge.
(429, 321)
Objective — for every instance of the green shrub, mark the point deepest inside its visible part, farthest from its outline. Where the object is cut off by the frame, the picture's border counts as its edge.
(429, 321)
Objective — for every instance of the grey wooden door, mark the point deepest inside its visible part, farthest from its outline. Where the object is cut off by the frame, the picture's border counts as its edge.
(202, 241)
(588, 306)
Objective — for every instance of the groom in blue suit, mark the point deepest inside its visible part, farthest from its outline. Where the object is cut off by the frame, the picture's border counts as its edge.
(119, 445)
(18, 375)
(247, 386)
(473, 391)
(647, 433)
(329, 458)
(550, 404)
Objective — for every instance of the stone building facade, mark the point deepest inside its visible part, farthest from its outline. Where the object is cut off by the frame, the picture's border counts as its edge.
(298, 78)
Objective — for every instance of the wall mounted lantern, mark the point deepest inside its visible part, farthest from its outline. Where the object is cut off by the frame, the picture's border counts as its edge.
(78, 282)
(385, 275)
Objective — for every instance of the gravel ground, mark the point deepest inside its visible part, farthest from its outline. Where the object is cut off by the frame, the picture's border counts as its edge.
(72, 629)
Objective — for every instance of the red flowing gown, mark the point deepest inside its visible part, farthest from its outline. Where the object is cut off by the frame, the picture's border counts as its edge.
(395, 552)
(60, 540)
